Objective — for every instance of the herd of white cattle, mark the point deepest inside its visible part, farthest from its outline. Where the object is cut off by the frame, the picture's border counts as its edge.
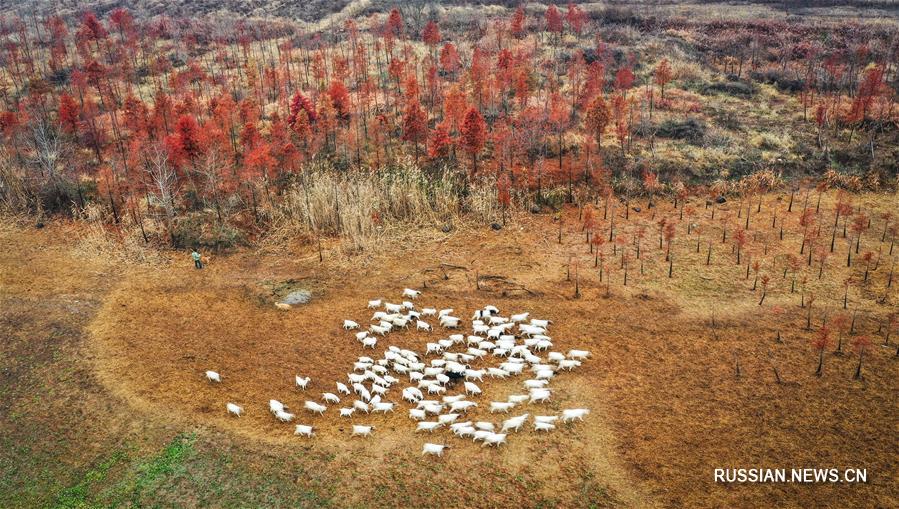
(493, 334)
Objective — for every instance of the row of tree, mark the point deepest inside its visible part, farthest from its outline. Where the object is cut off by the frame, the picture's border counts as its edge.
(167, 116)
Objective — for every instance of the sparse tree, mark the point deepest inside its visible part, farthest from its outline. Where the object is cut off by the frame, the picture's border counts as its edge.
(473, 136)
(820, 342)
(860, 344)
(765, 280)
(839, 322)
(504, 194)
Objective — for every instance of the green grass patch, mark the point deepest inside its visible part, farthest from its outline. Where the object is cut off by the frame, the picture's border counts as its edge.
(88, 492)
(76, 497)
(166, 463)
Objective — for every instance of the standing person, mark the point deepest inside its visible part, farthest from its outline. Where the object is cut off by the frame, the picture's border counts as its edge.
(198, 261)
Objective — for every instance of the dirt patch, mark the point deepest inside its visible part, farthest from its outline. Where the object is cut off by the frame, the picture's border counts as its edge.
(189, 321)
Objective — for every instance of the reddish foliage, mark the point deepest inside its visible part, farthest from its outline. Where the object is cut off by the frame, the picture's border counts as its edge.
(188, 137)
(516, 26)
(620, 111)
(576, 18)
(230, 92)
(69, 115)
(440, 142)
(340, 98)
(249, 136)
(301, 103)
(663, 75)
(553, 19)
(258, 162)
(504, 190)
(821, 338)
(449, 58)
(91, 28)
(473, 133)
(431, 34)
(455, 106)
(589, 221)
(136, 117)
(598, 118)
(861, 343)
(394, 23)
(624, 78)
(415, 123)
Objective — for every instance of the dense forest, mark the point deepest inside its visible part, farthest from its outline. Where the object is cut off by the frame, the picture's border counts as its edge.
(213, 131)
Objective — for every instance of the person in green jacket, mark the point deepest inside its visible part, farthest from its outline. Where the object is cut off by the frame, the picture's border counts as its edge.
(198, 261)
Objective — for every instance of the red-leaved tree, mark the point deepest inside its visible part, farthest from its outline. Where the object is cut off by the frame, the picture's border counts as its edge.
(415, 125)
(69, 115)
(504, 193)
(474, 134)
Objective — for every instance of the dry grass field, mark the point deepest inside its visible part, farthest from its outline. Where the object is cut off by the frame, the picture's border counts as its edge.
(352, 149)
(104, 402)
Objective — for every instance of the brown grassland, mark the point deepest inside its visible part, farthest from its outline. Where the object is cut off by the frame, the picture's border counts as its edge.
(103, 365)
